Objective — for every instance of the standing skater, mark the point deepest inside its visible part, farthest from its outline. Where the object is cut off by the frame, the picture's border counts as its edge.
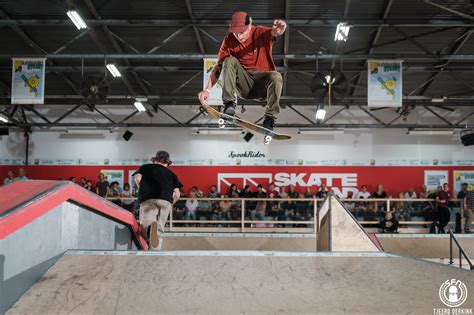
(245, 60)
(158, 191)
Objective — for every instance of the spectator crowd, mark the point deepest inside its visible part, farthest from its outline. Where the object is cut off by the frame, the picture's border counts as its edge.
(404, 207)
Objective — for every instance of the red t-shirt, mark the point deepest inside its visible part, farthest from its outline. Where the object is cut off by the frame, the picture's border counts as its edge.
(255, 54)
(443, 196)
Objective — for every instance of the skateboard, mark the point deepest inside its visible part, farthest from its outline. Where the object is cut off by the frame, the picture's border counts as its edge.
(223, 119)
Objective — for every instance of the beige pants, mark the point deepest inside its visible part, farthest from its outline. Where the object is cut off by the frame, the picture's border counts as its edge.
(262, 86)
(154, 210)
(468, 215)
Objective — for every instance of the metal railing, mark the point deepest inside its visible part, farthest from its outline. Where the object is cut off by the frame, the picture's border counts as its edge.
(462, 252)
(289, 214)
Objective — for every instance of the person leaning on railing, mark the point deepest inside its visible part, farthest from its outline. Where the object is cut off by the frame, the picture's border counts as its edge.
(443, 198)
(468, 207)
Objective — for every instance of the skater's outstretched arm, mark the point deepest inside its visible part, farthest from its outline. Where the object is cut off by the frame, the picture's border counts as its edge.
(204, 94)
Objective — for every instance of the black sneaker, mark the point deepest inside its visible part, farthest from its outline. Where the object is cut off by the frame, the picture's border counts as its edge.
(268, 123)
(229, 108)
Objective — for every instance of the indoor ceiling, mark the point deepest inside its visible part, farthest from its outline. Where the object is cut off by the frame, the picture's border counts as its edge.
(158, 47)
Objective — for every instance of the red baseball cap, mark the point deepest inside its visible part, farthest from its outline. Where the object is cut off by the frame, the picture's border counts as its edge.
(240, 22)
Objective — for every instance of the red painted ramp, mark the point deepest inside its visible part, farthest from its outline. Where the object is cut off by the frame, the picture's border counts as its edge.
(24, 201)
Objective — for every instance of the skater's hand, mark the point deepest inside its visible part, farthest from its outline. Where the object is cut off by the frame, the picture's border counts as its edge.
(203, 97)
(279, 27)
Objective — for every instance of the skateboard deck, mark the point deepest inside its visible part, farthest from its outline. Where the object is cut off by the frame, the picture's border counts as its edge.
(224, 118)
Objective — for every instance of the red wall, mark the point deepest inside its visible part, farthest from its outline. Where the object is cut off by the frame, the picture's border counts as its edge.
(394, 178)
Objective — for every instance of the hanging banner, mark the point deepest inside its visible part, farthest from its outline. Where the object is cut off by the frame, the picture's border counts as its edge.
(384, 83)
(28, 80)
(215, 97)
(463, 177)
(113, 176)
(433, 179)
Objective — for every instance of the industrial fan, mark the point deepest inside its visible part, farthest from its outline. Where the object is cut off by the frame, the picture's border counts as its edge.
(94, 90)
(330, 86)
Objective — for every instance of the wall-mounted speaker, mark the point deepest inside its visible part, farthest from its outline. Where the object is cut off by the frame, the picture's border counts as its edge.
(467, 137)
(127, 135)
(248, 136)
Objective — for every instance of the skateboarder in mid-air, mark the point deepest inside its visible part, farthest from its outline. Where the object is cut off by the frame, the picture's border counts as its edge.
(245, 61)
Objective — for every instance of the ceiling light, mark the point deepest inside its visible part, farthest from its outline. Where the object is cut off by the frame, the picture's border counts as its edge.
(77, 19)
(113, 70)
(3, 118)
(321, 132)
(320, 113)
(139, 106)
(431, 132)
(342, 32)
(328, 78)
(439, 99)
(219, 131)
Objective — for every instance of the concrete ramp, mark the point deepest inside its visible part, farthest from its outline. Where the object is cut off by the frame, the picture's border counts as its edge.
(40, 220)
(339, 231)
(190, 282)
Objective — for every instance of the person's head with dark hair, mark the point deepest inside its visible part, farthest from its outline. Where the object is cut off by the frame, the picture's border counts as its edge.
(126, 186)
(163, 158)
(72, 179)
(101, 176)
(259, 188)
(464, 186)
(213, 188)
(83, 181)
(114, 185)
(233, 188)
(246, 188)
(445, 187)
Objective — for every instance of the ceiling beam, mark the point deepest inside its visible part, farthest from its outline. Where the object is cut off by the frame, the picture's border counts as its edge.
(189, 125)
(465, 16)
(370, 48)
(195, 28)
(309, 70)
(412, 40)
(40, 51)
(325, 23)
(441, 65)
(187, 56)
(119, 49)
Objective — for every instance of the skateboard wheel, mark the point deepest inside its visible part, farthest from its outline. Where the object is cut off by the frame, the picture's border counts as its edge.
(221, 126)
(268, 138)
(220, 121)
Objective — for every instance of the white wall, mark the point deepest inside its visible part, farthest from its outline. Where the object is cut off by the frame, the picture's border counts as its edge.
(184, 145)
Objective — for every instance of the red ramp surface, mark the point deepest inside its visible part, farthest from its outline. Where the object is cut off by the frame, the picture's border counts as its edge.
(24, 201)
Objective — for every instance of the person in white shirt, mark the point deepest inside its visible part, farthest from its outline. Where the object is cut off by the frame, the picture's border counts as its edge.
(410, 194)
(363, 193)
(192, 205)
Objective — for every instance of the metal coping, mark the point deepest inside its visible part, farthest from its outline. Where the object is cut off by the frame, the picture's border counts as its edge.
(211, 253)
(413, 235)
(231, 235)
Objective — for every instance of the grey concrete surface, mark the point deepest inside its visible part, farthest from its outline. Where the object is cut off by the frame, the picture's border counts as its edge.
(240, 283)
